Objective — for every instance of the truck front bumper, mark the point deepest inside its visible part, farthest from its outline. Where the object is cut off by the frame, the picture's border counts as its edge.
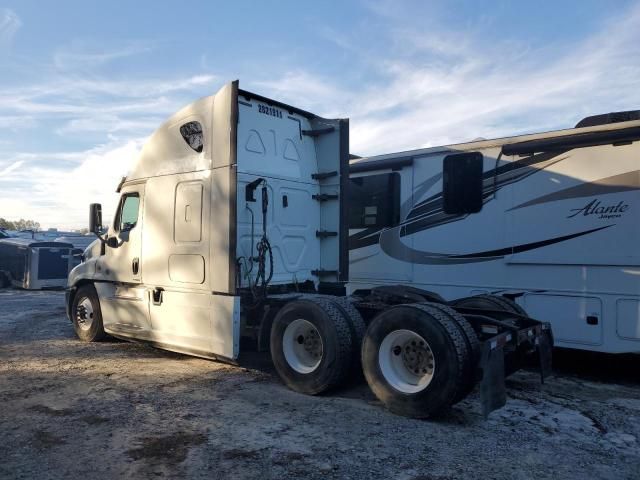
(68, 296)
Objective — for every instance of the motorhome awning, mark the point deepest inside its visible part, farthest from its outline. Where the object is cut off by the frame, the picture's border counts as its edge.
(568, 142)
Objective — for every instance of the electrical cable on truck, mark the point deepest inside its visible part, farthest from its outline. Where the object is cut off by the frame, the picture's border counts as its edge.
(263, 247)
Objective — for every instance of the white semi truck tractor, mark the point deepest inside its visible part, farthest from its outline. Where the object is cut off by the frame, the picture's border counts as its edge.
(231, 233)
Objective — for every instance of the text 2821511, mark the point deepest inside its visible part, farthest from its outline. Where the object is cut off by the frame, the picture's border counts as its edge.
(267, 110)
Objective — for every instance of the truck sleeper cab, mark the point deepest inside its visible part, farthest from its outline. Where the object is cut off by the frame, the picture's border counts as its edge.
(232, 224)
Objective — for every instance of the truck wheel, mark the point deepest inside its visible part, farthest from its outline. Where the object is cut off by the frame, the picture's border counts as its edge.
(495, 302)
(311, 345)
(473, 344)
(357, 328)
(86, 315)
(415, 358)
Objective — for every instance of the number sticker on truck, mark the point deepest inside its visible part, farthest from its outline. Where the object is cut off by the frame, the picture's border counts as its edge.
(274, 112)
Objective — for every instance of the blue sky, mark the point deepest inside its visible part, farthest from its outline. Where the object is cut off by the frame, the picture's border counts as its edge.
(82, 84)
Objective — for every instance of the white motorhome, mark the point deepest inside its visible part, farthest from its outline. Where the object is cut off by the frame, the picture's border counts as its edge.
(231, 231)
(548, 220)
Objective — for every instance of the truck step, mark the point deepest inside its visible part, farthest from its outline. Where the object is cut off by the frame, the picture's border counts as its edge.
(322, 272)
(323, 175)
(323, 197)
(317, 133)
(325, 234)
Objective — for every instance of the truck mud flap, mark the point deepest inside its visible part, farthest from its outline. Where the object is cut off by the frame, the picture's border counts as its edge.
(545, 346)
(493, 392)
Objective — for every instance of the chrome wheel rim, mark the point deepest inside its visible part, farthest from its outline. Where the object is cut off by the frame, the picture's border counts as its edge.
(302, 346)
(84, 313)
(406, 361)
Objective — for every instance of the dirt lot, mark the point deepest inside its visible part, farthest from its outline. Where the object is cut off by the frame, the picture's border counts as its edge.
(114, 409)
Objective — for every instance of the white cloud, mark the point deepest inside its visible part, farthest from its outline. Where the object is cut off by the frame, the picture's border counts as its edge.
(429, 87)
(436, 88)
(12, 122)
(79, 104)
(13, 166)
(55, 187)
(60, 198)
(78, 58)
(77, 94)
(109, 124)
(9, 24)
(303, 88)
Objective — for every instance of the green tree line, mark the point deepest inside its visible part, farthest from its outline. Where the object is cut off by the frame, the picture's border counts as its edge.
(21, 224)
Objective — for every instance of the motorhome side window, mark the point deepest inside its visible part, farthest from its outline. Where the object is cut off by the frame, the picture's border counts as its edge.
(462, 183)
(128, 215)
(374, 201)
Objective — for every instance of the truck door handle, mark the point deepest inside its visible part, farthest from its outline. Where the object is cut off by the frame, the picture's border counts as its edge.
(135, 265)
(156, 295)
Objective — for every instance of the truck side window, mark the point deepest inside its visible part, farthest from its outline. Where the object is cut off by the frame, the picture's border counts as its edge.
(128, 214)
(192, 134)
(374, 201)
(462, 183)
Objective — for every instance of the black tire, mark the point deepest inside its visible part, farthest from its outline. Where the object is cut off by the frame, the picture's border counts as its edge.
(512, 361)
(451, 356)
(4, 279)
(334, 331)
(511, 305)
(79, 316)
(494, 302)
(357, 328)
(431, 297)
(475, 349)
(407, 294)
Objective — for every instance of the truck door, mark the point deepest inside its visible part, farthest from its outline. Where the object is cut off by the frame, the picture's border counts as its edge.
(124, 260)
(176, 250)
(124, 300)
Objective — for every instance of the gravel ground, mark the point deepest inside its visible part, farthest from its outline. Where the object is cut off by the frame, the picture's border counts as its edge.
(115, 409)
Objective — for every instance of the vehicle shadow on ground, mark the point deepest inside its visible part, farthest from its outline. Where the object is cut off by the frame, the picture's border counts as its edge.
(598, 367)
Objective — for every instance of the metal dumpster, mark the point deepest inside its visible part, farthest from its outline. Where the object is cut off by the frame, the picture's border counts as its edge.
(33, 264)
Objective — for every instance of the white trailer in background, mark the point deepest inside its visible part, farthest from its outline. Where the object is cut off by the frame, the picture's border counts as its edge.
(548, 220)
(231, 232)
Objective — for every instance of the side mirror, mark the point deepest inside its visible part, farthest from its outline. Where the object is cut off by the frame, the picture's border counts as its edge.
(95, 218)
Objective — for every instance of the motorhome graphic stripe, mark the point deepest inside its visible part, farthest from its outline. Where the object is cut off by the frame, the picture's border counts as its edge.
(505, 175)
(391, 244)
(528, 246)
(618, 183)
(429, 212)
